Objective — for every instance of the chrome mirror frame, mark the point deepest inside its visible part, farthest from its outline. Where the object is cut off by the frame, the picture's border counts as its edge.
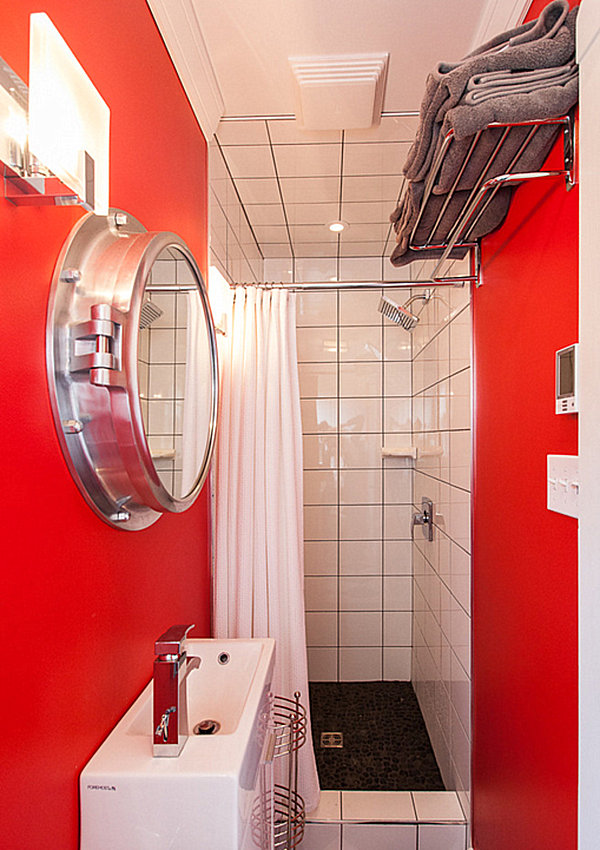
(92, 361)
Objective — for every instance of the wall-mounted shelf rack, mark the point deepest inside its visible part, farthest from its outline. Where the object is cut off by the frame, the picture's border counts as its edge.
(497, 172)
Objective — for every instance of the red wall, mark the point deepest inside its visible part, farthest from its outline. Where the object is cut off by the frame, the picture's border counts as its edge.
(524, 556)
(82, 602)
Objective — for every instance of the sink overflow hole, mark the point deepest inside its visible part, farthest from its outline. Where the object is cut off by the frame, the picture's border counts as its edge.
(330, 740)
(207, 727)
(224, 658)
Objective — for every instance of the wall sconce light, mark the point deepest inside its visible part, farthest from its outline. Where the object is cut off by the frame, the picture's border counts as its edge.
(54, 137)
(220, 298)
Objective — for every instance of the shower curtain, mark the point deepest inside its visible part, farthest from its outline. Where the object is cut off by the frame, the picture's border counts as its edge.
(259, 526)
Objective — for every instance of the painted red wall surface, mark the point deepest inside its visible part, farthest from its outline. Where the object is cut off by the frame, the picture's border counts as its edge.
(524, 556)
(82, 602)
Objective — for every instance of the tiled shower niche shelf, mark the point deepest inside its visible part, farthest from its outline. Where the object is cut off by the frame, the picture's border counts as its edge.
(404, 820)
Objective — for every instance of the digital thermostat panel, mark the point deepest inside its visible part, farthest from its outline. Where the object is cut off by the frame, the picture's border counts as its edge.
(566, 379)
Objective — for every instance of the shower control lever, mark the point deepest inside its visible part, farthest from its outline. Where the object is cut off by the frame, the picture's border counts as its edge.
(424, 519)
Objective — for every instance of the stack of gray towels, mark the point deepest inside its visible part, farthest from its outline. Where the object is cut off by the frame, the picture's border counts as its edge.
(525, 74)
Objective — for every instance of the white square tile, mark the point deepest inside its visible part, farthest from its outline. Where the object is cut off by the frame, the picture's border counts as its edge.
(322, 664)
(360, 415)
(309, 233)
(301, 190)
(320, 593)
(397, 628)
(317, 345)
(397, 663)
(362, 343)
(460, 401)
(318, 380)
(321, 628)
(360, 628)
(360, 522)
(312, 214)
(322, 836)
(360, 664)
(321, 305)
(437, 806)
(360, 379)
(287, 132)
(397, 557)
(360, 486)
(269, 250)
(371, 188)
(397, 593)
(397, 521)
(162, 381)
(266, 233)
(397, 378)
(442, 837)
(355, 212)
(279, 270)
(320, 487)
(320, 522)
(260, 214)
(258, 190)
(377, 806)
(360, 268)
(397, 344)
(320, 557)
(329, 808)
(398, 486)
(392, 129)
(357, 836)
(318, 415)
(360, 593)
(360, 557)
(242, 133)
(323, 250)
(249, 161)
(320, 451)
(360, 451)
(322, 160)
(360, 307)
(375, 158)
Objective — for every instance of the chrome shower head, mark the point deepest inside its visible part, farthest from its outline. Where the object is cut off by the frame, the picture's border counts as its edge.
(149, 313)
(400, 314)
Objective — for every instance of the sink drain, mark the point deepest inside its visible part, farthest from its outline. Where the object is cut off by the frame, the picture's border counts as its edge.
(207, 727)
(332, 740)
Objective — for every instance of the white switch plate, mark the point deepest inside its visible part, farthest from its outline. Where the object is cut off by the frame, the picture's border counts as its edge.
(563, 484)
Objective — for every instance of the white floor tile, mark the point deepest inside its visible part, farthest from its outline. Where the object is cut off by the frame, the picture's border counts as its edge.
(322, 836)
(376, 836)
(437, 806)
(377, 806)
(329, 808)
(442, 837)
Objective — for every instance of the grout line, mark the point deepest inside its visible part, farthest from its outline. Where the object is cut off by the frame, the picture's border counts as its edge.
(235, 189)
(287, 224)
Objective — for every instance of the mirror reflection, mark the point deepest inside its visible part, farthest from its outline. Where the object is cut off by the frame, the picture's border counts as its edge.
(174, 372)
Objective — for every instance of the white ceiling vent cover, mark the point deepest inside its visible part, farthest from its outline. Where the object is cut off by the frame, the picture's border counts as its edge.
(339, 92)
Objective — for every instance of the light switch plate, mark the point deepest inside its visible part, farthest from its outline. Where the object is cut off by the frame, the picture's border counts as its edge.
(563, 484)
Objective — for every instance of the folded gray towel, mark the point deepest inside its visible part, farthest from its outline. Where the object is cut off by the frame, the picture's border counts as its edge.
(548, 102)
(508, 83)
(553, 46)
(405, 217)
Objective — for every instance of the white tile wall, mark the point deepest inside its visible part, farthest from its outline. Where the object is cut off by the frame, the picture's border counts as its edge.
(356, 508)
(442, 569)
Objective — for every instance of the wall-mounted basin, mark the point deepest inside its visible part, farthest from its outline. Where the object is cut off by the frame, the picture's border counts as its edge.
(201, 800)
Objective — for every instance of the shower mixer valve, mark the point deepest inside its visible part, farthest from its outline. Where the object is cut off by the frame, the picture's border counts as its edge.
(424, 519)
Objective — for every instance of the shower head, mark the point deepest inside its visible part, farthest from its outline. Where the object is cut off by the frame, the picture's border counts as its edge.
(400, 314)
(149, 313)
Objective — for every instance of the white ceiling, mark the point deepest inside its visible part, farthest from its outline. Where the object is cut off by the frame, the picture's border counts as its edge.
(291, 182)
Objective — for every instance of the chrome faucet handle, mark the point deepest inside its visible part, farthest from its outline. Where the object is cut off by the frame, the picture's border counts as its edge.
(170, 643)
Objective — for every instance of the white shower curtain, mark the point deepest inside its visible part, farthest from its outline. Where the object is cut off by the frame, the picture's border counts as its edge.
(259, 526)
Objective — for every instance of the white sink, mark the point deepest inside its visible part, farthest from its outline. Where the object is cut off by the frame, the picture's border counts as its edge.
(202, 799)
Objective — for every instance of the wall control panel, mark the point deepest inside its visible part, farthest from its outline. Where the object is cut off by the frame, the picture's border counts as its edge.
(563, 484)
(567, 400)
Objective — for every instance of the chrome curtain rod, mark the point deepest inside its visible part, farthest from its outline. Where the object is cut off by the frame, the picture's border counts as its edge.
(164, 287)
(325, 285)
(291, 116)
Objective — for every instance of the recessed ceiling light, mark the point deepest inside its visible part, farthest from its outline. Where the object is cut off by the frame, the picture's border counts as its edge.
(337, 226)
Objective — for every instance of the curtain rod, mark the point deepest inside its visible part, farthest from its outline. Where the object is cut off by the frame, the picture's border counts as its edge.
(291, 116)
(325, 285)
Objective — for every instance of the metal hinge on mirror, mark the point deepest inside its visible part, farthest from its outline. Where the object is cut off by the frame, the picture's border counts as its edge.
(96, 346)
(424, 518)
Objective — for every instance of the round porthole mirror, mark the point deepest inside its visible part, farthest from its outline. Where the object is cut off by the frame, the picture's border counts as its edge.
(132, 369)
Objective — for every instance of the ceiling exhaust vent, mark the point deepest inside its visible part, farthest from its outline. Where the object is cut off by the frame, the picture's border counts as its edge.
(339, 92)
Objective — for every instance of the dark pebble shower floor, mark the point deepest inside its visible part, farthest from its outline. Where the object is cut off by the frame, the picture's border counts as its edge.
(386, 745)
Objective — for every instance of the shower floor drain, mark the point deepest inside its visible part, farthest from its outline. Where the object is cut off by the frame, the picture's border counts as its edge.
(332, 739)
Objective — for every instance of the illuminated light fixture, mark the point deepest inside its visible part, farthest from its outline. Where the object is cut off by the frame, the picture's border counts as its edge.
(220, 298)
(337, 226)
(54, 136)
